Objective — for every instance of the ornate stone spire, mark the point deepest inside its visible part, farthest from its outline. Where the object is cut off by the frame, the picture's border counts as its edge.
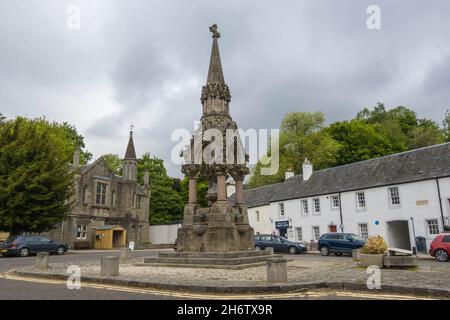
(130, 160)
(215, 73)
(215, 85)
(130, 154)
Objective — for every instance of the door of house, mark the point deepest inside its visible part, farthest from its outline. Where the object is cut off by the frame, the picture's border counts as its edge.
(332, 228)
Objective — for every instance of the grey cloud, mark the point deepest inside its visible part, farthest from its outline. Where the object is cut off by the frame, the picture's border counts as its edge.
(144, 62)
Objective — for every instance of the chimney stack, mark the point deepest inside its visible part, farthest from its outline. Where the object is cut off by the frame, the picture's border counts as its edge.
(76, 159)
(288, 174)
(307, 170)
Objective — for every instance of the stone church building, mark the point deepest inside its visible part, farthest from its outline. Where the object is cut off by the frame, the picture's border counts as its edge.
(106, 201)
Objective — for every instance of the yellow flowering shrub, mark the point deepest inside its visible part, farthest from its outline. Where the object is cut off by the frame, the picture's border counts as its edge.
(375, 245)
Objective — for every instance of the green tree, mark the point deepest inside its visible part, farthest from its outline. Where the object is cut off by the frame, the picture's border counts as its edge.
(36, 185)
(359, 141)
(426, 133)
(446, 126)
(301, 136)
(113, 162)
(166, 204)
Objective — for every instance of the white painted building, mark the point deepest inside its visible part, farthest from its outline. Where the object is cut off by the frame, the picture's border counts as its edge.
(399, 197)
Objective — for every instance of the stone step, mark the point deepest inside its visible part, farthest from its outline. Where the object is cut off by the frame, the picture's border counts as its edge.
(203, 266)
(217, 255)
(209, 261)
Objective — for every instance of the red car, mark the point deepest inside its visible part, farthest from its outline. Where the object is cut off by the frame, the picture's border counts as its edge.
(440, 247)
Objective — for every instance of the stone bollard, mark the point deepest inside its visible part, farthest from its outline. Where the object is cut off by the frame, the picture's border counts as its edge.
(42, 260)
(125, 255)
(277, 270)
(109, 266)
(269, 250)
(356, 254)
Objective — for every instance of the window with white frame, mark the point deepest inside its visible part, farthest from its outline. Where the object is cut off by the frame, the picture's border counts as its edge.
(299, 234)
(113, 199)
(101, 193)
(257, 216)
(433, 226)
(305, 207)
(82, 232)
(281, 209)
(363, 230)
(360, 200)
(394, 196)
(316, 205)
(335, 203)
(316, 233)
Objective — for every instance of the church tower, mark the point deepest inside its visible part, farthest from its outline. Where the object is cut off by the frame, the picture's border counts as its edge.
(130, 161)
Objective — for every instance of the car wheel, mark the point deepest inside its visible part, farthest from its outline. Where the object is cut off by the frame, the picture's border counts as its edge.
(24, 252)
(324, 251)
(60, 251)
(338, 254)
(441, 255)
(293, 250)
(258, 248)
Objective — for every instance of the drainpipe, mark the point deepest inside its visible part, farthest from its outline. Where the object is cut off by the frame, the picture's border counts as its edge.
(62, 232)
(340, 213)
(414, 235)
(440, 201)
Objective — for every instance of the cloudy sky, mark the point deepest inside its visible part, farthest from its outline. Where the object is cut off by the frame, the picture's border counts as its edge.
(144, 62)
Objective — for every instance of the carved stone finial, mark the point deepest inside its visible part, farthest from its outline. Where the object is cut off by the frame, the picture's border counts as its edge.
(214, 31)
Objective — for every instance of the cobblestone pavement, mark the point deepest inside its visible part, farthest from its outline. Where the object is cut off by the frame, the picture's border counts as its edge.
(303, 268)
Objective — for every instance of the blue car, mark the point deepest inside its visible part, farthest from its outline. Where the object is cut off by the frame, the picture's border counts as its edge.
(23, 246)
(279, 244)
(339, 243)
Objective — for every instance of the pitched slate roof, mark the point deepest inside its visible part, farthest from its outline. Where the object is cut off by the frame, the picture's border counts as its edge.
(415, 165)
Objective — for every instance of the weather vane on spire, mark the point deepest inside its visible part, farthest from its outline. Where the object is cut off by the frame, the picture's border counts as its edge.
(131, 127)
(214, 31)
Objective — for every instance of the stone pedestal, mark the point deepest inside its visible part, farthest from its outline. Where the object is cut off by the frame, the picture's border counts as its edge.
(269, 250)
(42, 260)
(109, 266)
(125, 255)
(367, 260)
(401, 261)
(277, 270)
(356, 254)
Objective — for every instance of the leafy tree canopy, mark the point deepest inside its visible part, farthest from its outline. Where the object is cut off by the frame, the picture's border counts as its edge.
(36, 184)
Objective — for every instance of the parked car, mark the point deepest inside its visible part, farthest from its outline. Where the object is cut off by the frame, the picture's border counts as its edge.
(279, 244)
(440, 247)
(339, 243)
(23, 246)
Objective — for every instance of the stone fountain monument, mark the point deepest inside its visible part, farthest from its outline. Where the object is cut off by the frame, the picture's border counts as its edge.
(218, 235)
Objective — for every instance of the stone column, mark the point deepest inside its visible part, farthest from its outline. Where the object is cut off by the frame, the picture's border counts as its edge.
(239, 190)
(109, 266)
(221, 188)
(192, 190)
(42, 260)
(277, 270)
